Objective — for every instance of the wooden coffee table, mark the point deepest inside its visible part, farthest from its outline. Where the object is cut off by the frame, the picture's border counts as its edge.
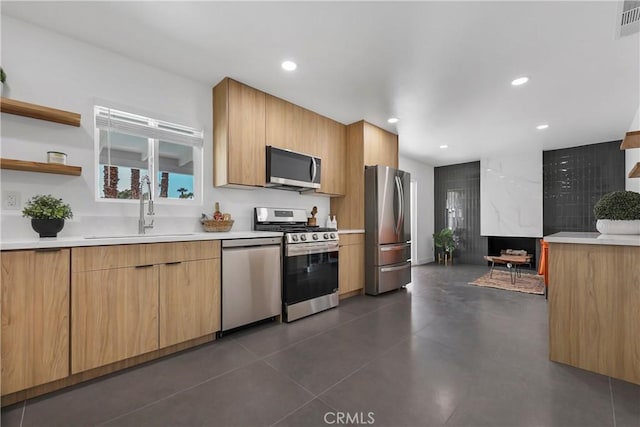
(513, 263)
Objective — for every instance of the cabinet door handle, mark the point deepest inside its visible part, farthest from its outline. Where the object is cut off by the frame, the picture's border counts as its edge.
(144, 266)
(173, 263)
(48, 249)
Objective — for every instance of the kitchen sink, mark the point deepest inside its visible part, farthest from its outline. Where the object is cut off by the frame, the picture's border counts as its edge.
(128, 236)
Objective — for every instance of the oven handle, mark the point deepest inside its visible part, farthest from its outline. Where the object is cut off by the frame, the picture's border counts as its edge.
(299, 249)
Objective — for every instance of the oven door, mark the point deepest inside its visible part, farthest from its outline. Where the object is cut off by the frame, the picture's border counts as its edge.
(310, 271)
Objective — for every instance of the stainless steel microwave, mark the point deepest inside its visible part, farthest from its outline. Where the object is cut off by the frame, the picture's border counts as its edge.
(289, 170)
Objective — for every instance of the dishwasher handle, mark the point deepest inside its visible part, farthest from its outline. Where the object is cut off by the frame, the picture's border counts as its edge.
(242, 243)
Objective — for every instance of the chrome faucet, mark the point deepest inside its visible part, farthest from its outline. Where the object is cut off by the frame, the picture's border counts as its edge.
(142, 225)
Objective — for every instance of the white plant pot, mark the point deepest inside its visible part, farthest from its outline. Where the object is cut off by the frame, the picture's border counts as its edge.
(611, 226)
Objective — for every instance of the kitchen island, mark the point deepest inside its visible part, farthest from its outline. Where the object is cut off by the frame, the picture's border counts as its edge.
(594, 303)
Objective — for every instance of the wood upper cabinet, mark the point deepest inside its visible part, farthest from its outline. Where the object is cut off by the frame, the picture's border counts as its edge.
(292, 127)
(380, 146)
(132, 299)
(332, 142)
(239, 142)
(366, 144)
(35, 318)
(283, 123)
(189, 300)
(297, 129)
(351, 266)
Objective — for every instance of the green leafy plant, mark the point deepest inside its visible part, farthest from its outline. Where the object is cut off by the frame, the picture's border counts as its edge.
(3, 75)
(618, 205)
(47, 207)
(444, 239)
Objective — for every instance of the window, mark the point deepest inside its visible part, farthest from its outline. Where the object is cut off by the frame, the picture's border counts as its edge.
(130, 146)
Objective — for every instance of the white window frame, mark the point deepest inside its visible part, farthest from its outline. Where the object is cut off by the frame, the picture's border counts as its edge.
(154, 130)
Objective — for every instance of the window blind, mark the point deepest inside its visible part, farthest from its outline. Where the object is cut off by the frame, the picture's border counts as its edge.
(132, 124)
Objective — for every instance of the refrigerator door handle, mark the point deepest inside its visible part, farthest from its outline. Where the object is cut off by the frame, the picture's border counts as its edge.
(399, 189)
(401, 203)
(401, 267)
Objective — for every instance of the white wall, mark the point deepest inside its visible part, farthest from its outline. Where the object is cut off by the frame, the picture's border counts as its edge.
(511, 194)
(56, 71)
(632, 157)
(423, 175)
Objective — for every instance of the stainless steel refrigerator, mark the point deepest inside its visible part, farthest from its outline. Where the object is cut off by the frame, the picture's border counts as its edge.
(387, 229)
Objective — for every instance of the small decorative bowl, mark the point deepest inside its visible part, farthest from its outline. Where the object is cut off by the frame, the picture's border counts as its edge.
(216, 226)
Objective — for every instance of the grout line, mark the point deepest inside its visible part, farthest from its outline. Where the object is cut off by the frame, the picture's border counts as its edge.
(289, 378)
(24, 409)
(366, 364)
(146, 405)
(292, 412)
(613, 406)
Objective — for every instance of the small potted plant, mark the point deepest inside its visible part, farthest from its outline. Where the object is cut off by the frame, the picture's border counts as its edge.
(444, 239)
(618, 213)
(47, 214)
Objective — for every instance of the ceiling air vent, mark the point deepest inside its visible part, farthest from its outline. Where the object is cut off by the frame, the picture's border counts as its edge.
(629, 18)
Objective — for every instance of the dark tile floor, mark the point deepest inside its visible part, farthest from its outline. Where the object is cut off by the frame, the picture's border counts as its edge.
(440, 353)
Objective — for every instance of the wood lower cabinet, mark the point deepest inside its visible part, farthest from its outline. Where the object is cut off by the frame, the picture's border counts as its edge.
(594, 308)
(133, 299)
(114, 315)
(189, 300)
(351, 264)
(35, 318)
(239, 152)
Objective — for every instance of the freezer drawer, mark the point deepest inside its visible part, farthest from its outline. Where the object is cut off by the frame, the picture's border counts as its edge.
(388, 277)
(393, 254)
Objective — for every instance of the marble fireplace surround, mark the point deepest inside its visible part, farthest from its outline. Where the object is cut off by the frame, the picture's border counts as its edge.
(511, 194)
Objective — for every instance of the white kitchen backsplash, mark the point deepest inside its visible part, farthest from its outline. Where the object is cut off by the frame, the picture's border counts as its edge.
(511, 194)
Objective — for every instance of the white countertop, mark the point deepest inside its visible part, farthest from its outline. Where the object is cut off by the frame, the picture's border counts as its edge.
(354, 231)
(594, 239)
(66, 242)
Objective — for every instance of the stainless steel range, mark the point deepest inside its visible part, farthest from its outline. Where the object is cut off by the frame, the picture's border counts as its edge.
(310, 267)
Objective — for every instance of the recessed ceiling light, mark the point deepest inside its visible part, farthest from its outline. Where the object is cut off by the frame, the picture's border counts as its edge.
(520, 81)
(541, 127)
(444, 146)
(289, 65)
(393, 120)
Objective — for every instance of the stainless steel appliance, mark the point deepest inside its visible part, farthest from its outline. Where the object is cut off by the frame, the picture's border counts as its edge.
(251, 280)
(289, 170)
(310, 267)
(387, 229)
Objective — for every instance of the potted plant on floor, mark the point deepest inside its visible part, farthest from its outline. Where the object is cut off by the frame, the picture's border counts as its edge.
(444, 239)
(618, 213)
(47, 214)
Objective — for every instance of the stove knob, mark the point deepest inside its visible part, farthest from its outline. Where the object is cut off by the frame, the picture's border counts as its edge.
(294, 238)
(315, 236)
(333, 235)
(326, 235)
(303, 237)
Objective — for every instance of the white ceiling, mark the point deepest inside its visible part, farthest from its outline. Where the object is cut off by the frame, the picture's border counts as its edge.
(443, 68)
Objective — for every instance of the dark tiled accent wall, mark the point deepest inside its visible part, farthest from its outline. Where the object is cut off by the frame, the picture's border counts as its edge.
(574, 179)
(463, 180)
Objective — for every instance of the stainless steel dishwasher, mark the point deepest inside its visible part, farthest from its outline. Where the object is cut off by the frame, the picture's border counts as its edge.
(251, 280)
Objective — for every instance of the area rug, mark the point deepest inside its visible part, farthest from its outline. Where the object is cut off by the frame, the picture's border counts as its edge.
(527, 283)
